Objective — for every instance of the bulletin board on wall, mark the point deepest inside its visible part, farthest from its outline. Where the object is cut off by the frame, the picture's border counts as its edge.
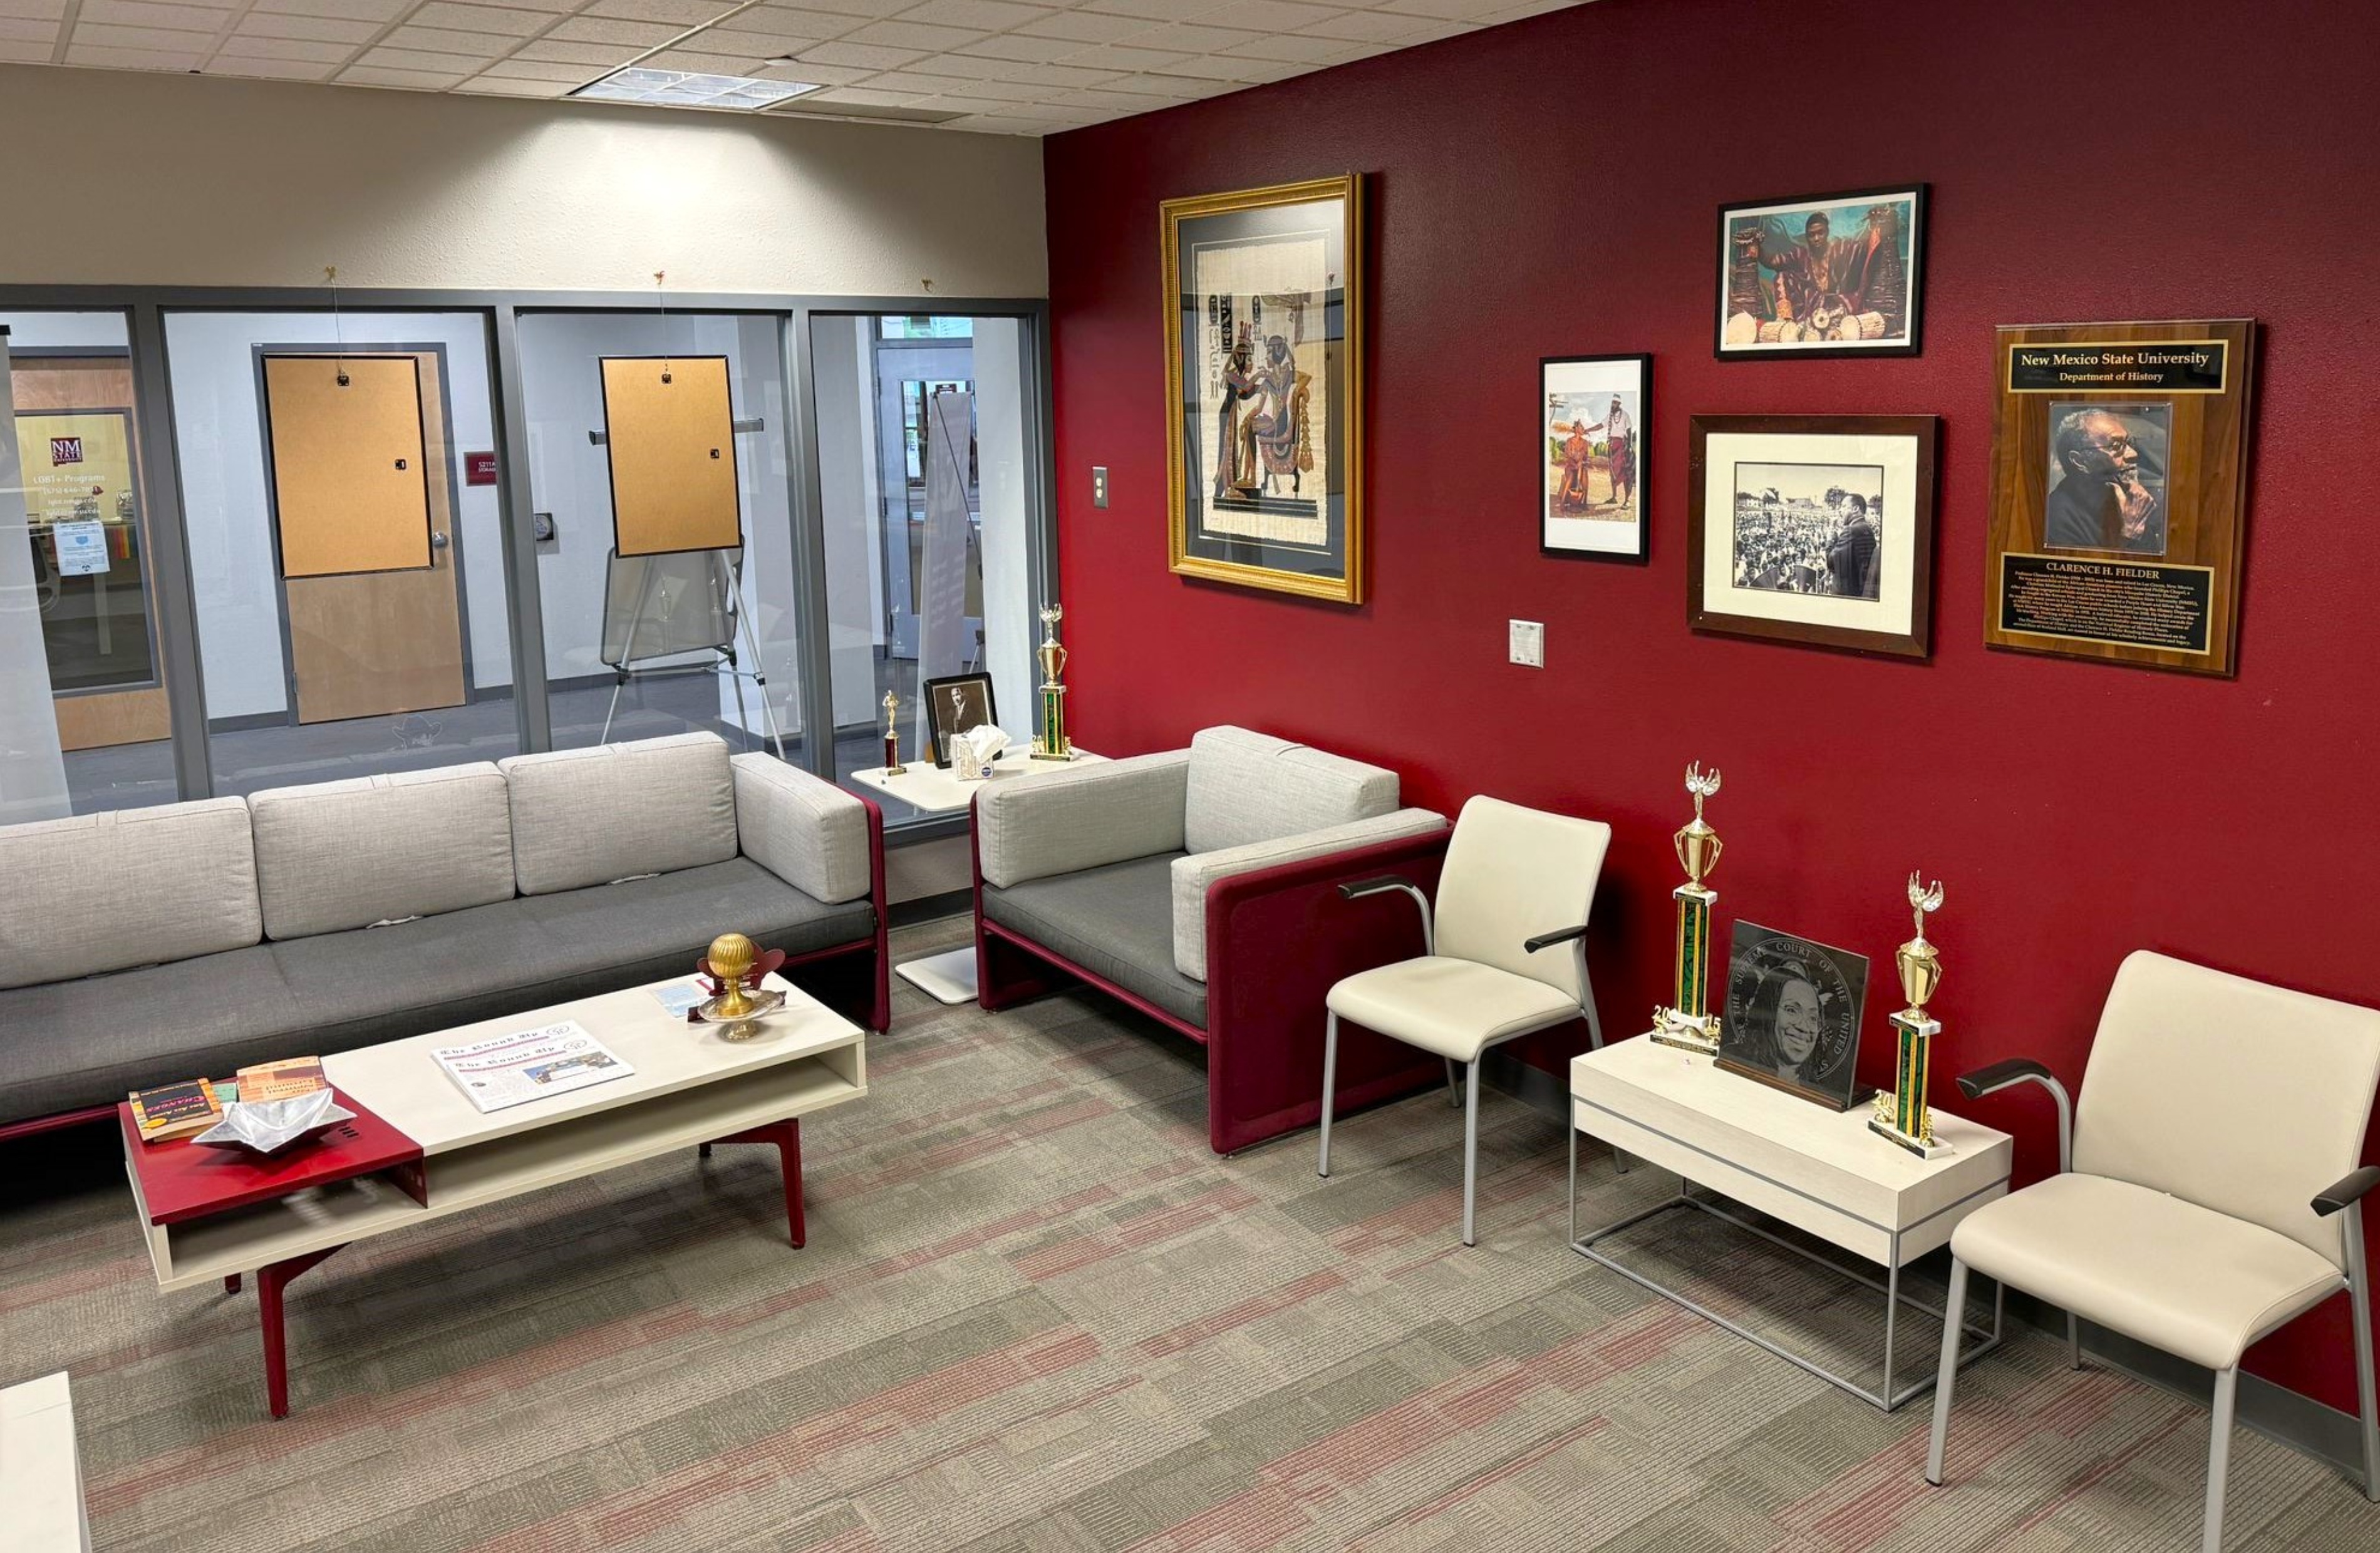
(350, 478)
(670, 431)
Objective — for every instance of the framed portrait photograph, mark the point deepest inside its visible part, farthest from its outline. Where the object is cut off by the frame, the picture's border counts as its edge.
(1794, 1011)
(956, 704)
(1264, 367)
(1596, 417)
(1812, 529)
(1824, 274)
(2120, 491)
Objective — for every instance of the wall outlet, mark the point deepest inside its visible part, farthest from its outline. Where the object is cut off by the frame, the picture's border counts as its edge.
(1099, 485)
(1527, 643)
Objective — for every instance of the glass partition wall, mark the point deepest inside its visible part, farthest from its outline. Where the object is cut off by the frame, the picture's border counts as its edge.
(251, 537)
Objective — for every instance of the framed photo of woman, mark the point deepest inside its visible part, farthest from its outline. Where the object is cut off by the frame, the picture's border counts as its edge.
(1595, 416)
(1794, 1011)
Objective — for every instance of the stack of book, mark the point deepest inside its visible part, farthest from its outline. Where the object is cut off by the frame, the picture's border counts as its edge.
(186, 1109)
(283, 1080)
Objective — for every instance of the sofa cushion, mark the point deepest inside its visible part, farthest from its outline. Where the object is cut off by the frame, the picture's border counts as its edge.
(90, 1042)
(583, 817)
(1115, 921)
(805, 830)
(129, 887)
(1082, 816)
(1194, 872)
(1252, 787)
(339, 855)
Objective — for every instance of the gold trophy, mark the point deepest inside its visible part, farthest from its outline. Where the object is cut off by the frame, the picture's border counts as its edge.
(1688, 1023)
(1901, 1113)
(736, 1007)
(892, 766)
(1050, 741)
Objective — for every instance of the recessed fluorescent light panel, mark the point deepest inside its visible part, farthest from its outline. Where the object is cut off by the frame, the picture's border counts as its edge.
(680, 89)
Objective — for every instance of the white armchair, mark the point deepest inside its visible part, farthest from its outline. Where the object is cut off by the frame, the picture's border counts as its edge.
(1504, 955)
(2207, 1187)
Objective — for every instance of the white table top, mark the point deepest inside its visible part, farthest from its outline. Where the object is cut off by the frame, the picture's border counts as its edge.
(41, 1477)
(933, 789)
(404, 1085)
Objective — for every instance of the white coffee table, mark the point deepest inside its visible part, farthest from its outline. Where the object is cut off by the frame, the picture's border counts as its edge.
(949, 976)
(691, 1088)
(1820, 1170)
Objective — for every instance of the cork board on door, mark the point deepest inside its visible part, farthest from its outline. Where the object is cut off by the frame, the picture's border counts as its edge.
(350, 484)
(671, 434)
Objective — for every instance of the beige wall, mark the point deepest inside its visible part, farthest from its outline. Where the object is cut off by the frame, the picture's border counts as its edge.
(116, 177)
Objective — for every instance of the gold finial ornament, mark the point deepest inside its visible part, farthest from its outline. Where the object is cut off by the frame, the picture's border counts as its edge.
(1689, 1023)
(731, 960)
(892, 766)
(1901, 1113)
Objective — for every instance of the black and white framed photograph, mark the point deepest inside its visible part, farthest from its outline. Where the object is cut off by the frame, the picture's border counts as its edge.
(1822, 274)
(956, 704)
(1812, 529)
(1794, 1011)
(1594, 418)
(2105, 480)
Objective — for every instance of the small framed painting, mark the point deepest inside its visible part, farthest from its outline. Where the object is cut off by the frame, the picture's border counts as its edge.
(956, 704)
(1824, 274)
(1595, 415)
(1814, 530)
(1794, 1011)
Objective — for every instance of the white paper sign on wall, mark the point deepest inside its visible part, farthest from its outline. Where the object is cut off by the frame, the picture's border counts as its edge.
(82, 547)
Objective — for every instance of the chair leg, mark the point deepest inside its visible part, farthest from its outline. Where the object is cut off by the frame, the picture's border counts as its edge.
(1329, 1080)
(1954, 1318)
(2218, 1455)
(1469, 1151)
(1453, 1089)
(2358, 1306)
(2074, 1341)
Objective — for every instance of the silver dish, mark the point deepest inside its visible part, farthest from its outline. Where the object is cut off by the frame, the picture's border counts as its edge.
(742, 1027)
(270, 1127)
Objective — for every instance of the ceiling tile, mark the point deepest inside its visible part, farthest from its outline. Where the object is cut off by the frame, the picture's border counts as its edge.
(877, 58)
(795, 21)
(814, 73)
(1045, 75)
(759, 46)
(1526, 8)
(1278, 16)
(356, 10)
(1371, 27)
(543, 70)
(134, 59)
(142, 13)
(603, 30)
(420, 60)
(991, 124)
(1115, 56)
(1151, 10)
(500, 22)
(1090, 26)
(513, 86)
(1187, 38)
(1016, 45)
(327, 29)
(28, 30)
(610, 56)
(45, 10)
(1182, 88)
(20, 52)
(156, 37)
(684, 13)
(982, 86)
(702, 64)
(1450, 10)
(1123, 102)
(266, 68)
(1215, 67)
(860, 7)
(911, 35)
(443, 39)
(1316, 51)
(1258, 72)
(283, 48)
(860, 96)
(984, 15)
(417, 80)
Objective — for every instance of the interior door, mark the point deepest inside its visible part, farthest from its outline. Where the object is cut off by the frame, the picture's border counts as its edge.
(362, 488)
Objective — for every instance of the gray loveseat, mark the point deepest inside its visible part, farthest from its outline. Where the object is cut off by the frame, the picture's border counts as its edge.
(146, 946)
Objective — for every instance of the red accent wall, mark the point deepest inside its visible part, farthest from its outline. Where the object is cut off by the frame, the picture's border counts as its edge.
(1551, 187)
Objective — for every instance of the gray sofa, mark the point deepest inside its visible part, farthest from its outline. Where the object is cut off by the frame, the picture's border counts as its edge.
(145, 946)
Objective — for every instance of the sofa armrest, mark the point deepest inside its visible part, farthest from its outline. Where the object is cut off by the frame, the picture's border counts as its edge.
(1194, 875)
(803, 829)
(1062, 822)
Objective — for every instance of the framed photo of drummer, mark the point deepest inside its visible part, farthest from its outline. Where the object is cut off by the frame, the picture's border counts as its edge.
(1822, 274)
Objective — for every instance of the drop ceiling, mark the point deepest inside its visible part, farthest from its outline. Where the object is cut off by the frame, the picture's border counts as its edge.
(997, 67)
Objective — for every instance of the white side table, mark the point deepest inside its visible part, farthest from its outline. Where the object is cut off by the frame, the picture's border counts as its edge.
(40, 1477)
(1820, 1170)
(949, 977)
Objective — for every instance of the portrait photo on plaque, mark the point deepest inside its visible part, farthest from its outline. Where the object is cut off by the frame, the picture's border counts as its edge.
(2119, 485)
(1822, 274)
(1592, 430)
(1792, 1015)
(1814, 529)
(1264, 367)
(956, 704)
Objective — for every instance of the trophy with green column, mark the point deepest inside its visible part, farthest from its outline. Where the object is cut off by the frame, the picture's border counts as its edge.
(1688, 1023)
(1050, 741)
(1901, 1113)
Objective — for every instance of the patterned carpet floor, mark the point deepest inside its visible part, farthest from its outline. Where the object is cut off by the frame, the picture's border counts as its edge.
(1036, 1314)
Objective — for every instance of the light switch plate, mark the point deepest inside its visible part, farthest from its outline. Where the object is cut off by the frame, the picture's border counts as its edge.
(1099, 485)
(1527, 643)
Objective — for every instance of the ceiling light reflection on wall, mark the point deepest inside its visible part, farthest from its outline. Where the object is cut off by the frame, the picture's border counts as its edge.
(681, 89)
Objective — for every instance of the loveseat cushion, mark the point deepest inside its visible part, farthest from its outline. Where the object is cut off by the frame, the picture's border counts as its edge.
(805, 830)
(340, 854)
(1080, 817)
(1252, 787)
(129, 887)
(84, 1043)
(1115, 921)
(583, 817)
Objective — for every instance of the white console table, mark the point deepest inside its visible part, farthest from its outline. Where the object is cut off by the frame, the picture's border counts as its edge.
(1820, 1170)
(949, 977)
(40, 1477)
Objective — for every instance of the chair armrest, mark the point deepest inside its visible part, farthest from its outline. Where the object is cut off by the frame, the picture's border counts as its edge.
(1546, 940)
(1086, 816)
(1389, 884)
(2346, 1193)
(803, 829)
(2025, 1070)
(1195, 875)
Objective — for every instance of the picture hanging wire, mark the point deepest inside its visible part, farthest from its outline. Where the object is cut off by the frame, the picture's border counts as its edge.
(338, 333)
(660, 306)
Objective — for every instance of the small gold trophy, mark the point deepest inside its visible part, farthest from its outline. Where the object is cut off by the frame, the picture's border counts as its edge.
(731, 960)
(1688, 1023)
(1050, 741)
(892, 766)
(1901, 1113)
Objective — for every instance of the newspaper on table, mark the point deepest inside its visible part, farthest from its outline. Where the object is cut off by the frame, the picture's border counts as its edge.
(530, 1064)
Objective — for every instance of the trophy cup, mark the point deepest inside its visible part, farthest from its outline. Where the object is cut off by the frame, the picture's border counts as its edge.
(1688, 1024)
(892, 766)
(1901, 1113)
(1050, 741)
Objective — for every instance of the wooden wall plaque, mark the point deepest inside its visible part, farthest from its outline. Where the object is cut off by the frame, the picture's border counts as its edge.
(2119, 493)
(671, 434)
